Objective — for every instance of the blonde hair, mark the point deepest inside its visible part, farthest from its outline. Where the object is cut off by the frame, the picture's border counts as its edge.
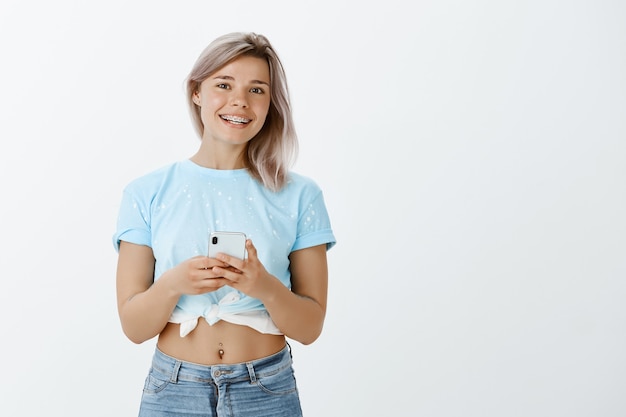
(272, 151)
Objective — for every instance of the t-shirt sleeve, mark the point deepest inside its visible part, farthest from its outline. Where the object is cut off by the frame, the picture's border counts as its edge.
(133, 221)
(314, 226)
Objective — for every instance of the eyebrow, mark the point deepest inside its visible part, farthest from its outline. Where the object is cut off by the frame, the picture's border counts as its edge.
(228, 77)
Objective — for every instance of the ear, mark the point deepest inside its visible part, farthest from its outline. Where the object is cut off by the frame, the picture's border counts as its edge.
(196, 98)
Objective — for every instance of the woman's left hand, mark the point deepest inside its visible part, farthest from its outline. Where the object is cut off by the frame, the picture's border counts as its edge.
(248, 276)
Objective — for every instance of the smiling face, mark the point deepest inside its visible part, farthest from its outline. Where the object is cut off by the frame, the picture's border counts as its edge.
(234, 101)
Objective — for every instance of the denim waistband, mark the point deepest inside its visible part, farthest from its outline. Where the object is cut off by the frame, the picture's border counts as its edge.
(176, 370)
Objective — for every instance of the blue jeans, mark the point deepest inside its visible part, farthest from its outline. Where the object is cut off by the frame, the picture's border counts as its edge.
(262, 387)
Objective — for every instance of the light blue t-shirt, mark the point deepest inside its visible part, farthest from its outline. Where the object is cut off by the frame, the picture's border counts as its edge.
(173, 210)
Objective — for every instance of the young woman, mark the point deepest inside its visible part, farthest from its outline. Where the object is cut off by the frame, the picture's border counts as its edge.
(222, 322)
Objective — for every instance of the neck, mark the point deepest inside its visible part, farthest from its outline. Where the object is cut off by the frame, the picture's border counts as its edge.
(220, 158)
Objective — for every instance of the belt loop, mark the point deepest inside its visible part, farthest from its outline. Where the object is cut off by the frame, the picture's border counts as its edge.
(251, 372)
(174, 376)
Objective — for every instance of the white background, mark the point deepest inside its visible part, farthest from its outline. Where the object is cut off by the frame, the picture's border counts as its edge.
(473, 159)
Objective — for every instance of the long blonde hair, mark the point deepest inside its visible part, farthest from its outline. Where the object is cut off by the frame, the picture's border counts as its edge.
(271, 152)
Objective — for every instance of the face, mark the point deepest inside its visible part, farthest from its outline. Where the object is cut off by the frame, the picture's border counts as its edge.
(234, 101)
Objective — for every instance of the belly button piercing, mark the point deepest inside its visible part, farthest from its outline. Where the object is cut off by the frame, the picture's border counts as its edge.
(221, 351)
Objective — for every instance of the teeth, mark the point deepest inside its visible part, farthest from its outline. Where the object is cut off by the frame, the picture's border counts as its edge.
(235, 119)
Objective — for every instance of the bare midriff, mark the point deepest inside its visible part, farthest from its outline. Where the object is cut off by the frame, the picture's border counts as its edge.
(221, 343)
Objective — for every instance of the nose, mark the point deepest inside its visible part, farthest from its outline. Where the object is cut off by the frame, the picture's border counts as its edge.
(238, 98)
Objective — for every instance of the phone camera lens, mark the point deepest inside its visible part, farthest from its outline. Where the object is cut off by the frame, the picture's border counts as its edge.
(215, 240)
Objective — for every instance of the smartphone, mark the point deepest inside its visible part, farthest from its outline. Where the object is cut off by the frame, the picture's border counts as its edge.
(230, 243)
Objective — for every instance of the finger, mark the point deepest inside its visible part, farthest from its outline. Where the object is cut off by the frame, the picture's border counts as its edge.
(215, 283)
(230, 261)
(200, 262)
(208, 263)
(251, 249)
(209, 285)
(227, 273)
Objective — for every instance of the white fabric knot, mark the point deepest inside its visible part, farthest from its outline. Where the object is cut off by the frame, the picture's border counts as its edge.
(259, 320)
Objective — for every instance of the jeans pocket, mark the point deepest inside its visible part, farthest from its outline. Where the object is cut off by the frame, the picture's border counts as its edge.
(283, 382)
(154, 383)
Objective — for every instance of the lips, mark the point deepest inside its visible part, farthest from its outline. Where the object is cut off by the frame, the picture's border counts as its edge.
(238, 120)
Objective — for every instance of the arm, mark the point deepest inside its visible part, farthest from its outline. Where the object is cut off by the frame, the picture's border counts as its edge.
(145, 306)
(299, 313)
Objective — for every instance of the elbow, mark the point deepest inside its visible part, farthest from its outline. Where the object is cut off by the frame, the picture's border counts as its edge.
(136, 340)
(313, 331)
(309, 337)
(137, 337)
(308, 341)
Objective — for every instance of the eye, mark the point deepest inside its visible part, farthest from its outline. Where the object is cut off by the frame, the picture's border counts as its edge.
(257, 90)
(223, 86)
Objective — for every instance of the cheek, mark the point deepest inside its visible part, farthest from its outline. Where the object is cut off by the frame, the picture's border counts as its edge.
(204, 114)
(263, 110)
(209, 107)
(213, 101)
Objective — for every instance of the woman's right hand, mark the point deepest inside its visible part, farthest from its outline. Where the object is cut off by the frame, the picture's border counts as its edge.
(195, 276)
(145, 305)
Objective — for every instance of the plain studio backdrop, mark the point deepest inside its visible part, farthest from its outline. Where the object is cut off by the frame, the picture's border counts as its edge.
(472, 156)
